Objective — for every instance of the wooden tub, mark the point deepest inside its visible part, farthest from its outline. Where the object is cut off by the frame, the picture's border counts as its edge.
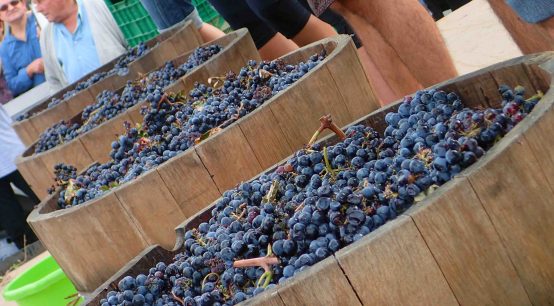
(145, 211)
(484, 238)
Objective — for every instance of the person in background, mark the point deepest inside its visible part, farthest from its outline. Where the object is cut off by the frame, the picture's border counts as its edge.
(282, 26)
(20, 50)
(169, 14)
(5, 94)
(12, 216)
(81, 36)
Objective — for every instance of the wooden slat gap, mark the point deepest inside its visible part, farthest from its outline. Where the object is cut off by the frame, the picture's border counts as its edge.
(169, 191)
(434, 258)
(207, 170)
(134, 221)
(347, 279)
(506, 250)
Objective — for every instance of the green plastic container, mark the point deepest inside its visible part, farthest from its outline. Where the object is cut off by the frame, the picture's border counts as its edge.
(133, 20)
(208, 14)
(44, 284)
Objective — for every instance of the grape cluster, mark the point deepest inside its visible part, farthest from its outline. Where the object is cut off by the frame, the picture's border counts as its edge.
(109, 104)
(323, 199)
(59, 133)
(63, 173)
(174, 123)
(120, 68)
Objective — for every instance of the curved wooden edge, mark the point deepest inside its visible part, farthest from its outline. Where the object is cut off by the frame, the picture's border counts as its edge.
(143, 261)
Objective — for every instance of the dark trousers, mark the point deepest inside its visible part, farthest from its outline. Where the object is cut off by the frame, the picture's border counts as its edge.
(438, 6)
(12, 216)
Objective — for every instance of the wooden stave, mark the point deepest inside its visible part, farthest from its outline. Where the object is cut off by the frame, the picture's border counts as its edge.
(168, 43)
(91, 141)
(446, 286)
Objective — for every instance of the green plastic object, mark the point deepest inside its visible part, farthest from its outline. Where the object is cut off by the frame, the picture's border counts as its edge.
(44, 284)
(133, 20)
(208, 14)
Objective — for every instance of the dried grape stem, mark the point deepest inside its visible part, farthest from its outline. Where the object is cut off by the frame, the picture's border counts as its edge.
(327, 123)
(177, 298)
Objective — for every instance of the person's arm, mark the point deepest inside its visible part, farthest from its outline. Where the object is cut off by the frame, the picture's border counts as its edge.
(18, 80)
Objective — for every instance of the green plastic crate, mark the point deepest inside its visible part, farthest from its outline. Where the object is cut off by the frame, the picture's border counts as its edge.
(208, 14)
(133, 20)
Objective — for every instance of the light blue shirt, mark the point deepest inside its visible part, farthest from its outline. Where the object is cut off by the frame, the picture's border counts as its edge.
(76, 52)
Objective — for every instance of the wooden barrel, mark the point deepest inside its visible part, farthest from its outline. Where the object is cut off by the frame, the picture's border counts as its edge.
(484, 238)
(95, 145)
(163, 47)
(194, 178)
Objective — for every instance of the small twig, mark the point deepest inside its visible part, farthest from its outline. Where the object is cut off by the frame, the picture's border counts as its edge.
(264, 74)
(326, 123)
(263, 262)
(177, 298)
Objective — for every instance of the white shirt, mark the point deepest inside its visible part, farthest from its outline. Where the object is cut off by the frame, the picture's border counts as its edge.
(10, 144)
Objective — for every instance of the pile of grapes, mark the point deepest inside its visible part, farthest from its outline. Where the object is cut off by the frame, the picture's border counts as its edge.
(174, 123)
(324, 198)
(120, 68)
(109, 104)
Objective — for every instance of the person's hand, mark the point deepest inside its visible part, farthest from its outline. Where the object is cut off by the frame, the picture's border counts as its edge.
(35, 67)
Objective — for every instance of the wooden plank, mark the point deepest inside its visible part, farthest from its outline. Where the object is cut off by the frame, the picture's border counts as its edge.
(541, 142)
(298, 113)
(393, 266)
(467, 248)
(48, 117)
(98, 87)
(36, 174)
(513, 76)
(73, 153)
(97, 142)
(348, 74)
(228, 157)
(516, 195)
(77, 240)
(189, 182)
(265, 136)
(322, 284)
(268, 298)
(479, 91)
(186, 83)
(26, 132)
(78, 102)
(134, 113)
(539, 78)
(186, 39)
(529, 37)
(152, 208)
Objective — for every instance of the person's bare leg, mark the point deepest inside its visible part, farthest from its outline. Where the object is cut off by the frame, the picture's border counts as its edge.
(277, 46)
(314, 30)
(412, 32)
(384, 92)
(208, 32)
